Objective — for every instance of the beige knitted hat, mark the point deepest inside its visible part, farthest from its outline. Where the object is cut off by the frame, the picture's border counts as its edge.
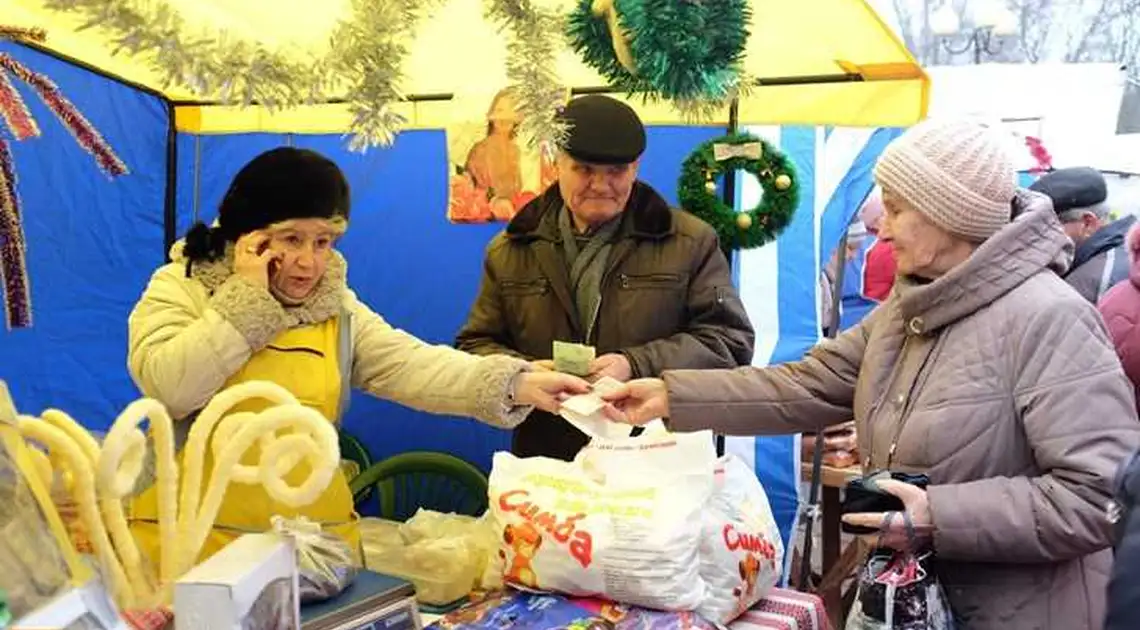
(957, 173)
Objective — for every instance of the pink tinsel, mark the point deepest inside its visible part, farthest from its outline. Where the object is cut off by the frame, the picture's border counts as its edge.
(15, 112)
(13, 269)
(1040, 154)
(86, 134)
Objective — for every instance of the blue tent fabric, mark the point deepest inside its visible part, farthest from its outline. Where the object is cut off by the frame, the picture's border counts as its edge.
(779, 282)
(92, 243)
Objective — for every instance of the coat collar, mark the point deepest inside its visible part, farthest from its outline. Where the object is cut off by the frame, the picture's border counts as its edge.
(646, 216)
(1033, 242)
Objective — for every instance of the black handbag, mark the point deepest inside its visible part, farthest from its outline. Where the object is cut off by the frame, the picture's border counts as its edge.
(898, 591)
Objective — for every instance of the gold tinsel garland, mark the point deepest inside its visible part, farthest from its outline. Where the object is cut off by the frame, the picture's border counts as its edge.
(367, 49)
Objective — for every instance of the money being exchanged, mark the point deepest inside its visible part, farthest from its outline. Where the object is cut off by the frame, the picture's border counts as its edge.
(585, 412)
(573, 358)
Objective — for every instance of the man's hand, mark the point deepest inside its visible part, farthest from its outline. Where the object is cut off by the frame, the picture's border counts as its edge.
(614, 365)
(547, 390)
(638, 401)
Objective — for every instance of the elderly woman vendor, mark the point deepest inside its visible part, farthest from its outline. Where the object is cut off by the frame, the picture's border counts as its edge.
(262, 296)
(983, 369)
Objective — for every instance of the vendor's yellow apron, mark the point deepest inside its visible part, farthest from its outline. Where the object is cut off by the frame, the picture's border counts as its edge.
(303, 361)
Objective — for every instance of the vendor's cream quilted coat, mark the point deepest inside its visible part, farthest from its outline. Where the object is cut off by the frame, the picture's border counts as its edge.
(999, 381)
(188, 335)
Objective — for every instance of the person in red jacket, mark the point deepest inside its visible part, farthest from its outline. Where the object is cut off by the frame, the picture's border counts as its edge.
(879, 264)
(1120, 307)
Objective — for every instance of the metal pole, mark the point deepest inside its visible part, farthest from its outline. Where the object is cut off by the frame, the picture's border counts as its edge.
(729, 197)
(811, 511)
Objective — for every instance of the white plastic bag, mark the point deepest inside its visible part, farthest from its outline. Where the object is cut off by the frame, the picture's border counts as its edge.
(741, 553)
(632, 537)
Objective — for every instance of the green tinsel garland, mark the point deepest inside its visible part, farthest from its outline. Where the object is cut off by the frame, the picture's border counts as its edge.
(753, 228)
(685, 50)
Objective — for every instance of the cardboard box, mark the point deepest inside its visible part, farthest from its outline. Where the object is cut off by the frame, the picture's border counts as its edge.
(88, 606)
(251, 584)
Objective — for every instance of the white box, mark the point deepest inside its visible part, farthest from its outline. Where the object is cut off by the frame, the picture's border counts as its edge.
(251, 584)
(87, 606)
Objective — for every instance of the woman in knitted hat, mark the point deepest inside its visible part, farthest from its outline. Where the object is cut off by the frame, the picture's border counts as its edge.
(983, 370)
(262, 296)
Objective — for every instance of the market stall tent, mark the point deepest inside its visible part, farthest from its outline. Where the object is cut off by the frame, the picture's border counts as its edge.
(94, 242)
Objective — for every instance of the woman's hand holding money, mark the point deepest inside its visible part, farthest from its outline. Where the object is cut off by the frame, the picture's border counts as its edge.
(546, 390)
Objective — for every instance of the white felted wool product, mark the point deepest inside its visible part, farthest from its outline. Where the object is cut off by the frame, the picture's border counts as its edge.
(741, 553)
(632, 538)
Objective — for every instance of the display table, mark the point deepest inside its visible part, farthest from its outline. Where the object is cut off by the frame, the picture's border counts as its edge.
(838, 563)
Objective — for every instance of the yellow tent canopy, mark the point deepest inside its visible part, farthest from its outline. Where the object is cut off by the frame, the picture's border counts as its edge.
(818, 61)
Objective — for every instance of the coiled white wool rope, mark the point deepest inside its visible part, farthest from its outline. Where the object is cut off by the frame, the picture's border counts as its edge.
(69, 451)
(194, 453)
(102, 476)
(314, 439)
(110, 504)
(119, 467)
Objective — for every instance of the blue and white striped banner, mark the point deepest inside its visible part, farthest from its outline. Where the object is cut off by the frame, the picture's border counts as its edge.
(779, 283)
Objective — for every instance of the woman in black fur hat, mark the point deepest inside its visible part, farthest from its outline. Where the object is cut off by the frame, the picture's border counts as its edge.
(261, 295)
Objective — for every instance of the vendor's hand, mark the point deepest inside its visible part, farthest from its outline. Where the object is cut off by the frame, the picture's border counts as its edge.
(547, 390)
(638, 401)
(614, 365)
(249, 263)
(893, 530)
(544, 365)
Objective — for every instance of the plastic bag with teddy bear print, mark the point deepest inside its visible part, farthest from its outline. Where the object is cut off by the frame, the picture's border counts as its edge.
(669, 525)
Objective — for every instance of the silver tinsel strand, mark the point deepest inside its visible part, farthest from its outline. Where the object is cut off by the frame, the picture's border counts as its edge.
(367, 50)
(534, 37)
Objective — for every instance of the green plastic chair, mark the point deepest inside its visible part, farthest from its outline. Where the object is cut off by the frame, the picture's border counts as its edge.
(352, 450)
(434, 481)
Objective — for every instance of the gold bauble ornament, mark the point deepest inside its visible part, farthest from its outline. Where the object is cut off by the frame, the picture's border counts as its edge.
(710, 186)
(743, 220)
(783, 182)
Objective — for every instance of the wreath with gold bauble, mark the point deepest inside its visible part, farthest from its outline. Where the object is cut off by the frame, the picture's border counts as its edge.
(777, 176)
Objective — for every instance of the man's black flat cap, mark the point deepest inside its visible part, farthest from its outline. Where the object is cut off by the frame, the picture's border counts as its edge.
(1070, 188)
(603, 130)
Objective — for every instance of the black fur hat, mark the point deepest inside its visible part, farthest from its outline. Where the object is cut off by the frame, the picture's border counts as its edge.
(278, 185)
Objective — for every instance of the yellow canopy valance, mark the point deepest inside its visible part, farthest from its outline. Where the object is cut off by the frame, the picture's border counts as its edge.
(819, 62)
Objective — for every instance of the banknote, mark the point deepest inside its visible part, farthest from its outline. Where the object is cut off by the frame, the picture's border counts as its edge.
(573, 358)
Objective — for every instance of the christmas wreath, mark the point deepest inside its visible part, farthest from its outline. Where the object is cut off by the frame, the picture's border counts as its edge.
(652, 47)
(776, 173)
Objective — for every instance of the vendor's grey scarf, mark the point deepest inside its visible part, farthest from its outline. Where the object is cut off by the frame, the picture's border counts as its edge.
(586, 258)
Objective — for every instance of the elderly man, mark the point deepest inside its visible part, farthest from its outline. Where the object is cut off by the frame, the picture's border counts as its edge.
(600, 259)
(1101, 260)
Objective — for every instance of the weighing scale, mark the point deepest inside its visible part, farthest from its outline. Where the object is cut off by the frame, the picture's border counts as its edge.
(373, 602)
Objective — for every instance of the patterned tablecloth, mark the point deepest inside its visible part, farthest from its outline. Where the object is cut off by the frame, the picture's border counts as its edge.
(784, 609)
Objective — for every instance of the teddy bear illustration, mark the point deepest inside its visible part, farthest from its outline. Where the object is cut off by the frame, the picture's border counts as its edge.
(524, 540)
(749, 572)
